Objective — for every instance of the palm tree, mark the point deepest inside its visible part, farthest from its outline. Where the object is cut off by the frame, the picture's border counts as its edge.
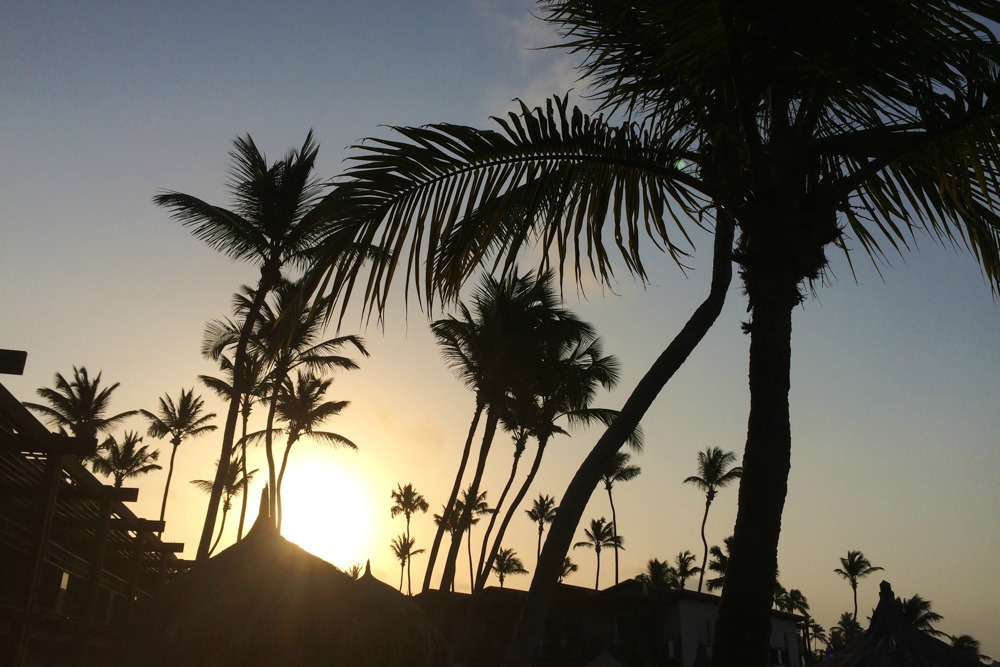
(968, 645)
(180, 420)
(714, 473)
(402, 548)
(480, 508)
(80, 405)
(356, 571)
(569, 567)
(543, 511)
(620, 471)
(600, 535)
(507, 563)
(274, 222)
(407, 501)
(918, 611)
(236, 483)
(844, 633)
(779, 123)
(719, 563)
(659, 573)
(682, 566)
(854, 567)
(126, 460)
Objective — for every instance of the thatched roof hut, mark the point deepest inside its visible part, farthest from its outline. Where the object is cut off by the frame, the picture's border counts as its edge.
(892, 641)
(265, 601)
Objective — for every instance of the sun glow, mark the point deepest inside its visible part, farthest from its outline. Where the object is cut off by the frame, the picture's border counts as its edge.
(328, 508)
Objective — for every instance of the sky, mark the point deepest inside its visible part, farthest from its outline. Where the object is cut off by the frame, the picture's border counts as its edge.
(895, 368)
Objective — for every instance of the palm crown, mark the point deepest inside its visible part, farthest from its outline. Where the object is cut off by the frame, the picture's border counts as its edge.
(80, 405)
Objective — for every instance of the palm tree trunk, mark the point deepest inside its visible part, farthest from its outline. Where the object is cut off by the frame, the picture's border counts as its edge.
(246, 482)
(292, 437)
(704, 543)
(272, 478)
(597, 578)
(409, 581)
(614, 531)
(744, 623)
(472, 574)
(449, 506)
(541, 529)
(518, 449)
(448, 578)
(166, 487)
(854, 588)
(222, 527)
(531, 624)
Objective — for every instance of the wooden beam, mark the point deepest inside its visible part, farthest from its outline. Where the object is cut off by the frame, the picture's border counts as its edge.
(12, 361)
(54, 442)
(113, 524)
(122, 495)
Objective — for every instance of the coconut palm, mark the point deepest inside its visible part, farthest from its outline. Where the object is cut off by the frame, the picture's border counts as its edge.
(918, 611)
(805, 127)
(184, 419)
(402, 549)
(273, 223)
(543, 511)
(683, 563)
(659, 573)
(620, 471)
(480, 508)
(719, 564)
(126, 460)
(600, 535)
(714, 473)
(968, 645)
(569, 567)
(854, 567)
(506, 564)
(236, 483)
(845, 632)
(79, 406)
(407, 501)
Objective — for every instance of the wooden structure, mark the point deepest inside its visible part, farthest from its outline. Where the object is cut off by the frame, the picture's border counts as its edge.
(74, 560)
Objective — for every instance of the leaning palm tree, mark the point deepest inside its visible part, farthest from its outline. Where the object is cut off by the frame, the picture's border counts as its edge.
(407, 501)
(273, 222)
(619, 471)
(126, 460)
(543, 510)
(600, 535)
(714, 473)
(184, 419)
(854, 567)
(80, 405)
(402, 549)
(236, 483)
(506, 564)
(719, 564)
(806, 126)
(918, 611)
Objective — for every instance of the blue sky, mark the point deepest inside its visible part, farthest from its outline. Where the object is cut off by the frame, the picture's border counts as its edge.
(894, 377)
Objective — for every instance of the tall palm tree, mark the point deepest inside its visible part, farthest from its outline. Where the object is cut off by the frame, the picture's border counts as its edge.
(402, 549)
(80, 405)
(719, 563)
(600, 535)
(918, 611)
(714, 473)
(126, 460)
(620, 471)
(543, 510)
(802, 126)
(184, 419)
(506, 564)
(683, 567)
(236, 484)
(406, 500)
(854, 567)
(274, 222)
(480, 508)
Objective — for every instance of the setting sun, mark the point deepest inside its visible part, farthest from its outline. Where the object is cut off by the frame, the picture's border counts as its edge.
(328, 510)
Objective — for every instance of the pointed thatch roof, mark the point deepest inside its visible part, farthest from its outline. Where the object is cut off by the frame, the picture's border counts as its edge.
(892, 641)
(265, 601)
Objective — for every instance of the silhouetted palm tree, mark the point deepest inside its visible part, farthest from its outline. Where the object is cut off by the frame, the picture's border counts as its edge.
(620, 471)
(682, 566)
(480, 508)
(236, 483)
(798, 127)
(918, 611)
(719, 563)
(600, 535)
(968, 645)
(569, 567)
(407, 501)
(79, 406)
(402, 549)
(127, 459)
(659, 573)
(844, 633)
(274, 222)
(180, 420)
(714, 473)
(506, 564)
(543, 511)
(854, 567)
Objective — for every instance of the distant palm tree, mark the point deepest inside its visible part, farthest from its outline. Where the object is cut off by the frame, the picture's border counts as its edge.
(79, 406)
(543, 511)
(815, 632)
(506, 564)
(407, 501)
(600, 535)
(918, 611)
(714, 473)
(402, 548)
(127, 459)
(619, 471)
(854, 567)
(659, 573)
(719, 563)
(180, 420)
(236, 482)
(682, 566)
(844, 633)
(791, 601)
(356, 571)
(480, 508)
(569, 567)
(968, 645)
